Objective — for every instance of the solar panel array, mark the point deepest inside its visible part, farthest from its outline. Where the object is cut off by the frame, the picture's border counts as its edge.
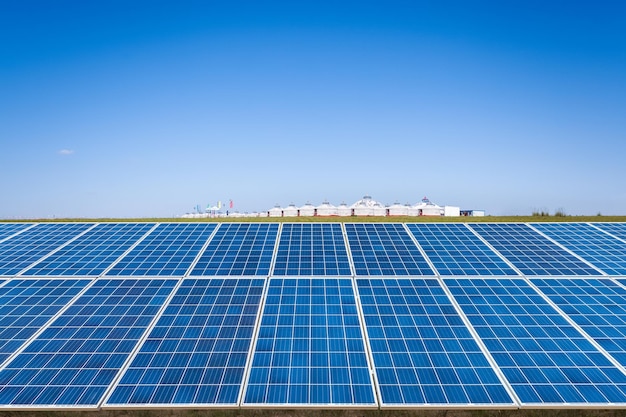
(390, 315)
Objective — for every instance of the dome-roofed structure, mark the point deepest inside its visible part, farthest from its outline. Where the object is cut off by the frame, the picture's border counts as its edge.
(326, 209)
(307, 210)
(427, 208)
(368, 207)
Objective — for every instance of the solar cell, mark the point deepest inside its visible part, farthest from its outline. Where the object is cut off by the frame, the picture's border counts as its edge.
(238, 249)
(616, 229)
(595, 246)
(598, 306)
(423, 352)
(530, 252)
(547, 361)
(9, 229)
(22, 250)
(26, 305)
(310, 349)
(455, 250)
(380, 249)
(92, 253)
(312, 249)
(196, 354)
(75, 359)
(169, 250)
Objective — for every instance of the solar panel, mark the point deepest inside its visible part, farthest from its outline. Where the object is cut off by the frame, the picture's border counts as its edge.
(9, 229)
(238, 249)
(598, 306)
(312, 249)
(598, 248)
(310, 348)
(616, 229)
(169, 250)
(423, 352)
(530, 252)
(196, 354)
(385, 249)
(92, 253)
(75, 359)
(547, 361)
(455, 250)
(24, 249)
(26, 305)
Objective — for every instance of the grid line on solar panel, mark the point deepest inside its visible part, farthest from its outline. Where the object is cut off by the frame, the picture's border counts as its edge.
(74, 360)
(7, 230)
(617, 230)
(33, 244)
(26, 305)
(455, 250)
(530, 252)
(309, 349)
(91, 253)
(238, 249)
(169, 250)
(546, 360)
(423, 353)
(380, 249)
(597, 306)
(307, 249)
(197, 352)
(596, 247)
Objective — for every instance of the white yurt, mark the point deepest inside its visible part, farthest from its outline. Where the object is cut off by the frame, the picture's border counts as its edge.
(326, 209)
(343, 210)
(427, 208)
(397, 209)
(411, 210)
(307, 210)
(368, 207)
(275, 211)
(290, 211)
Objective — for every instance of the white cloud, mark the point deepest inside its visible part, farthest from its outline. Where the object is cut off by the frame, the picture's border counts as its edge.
(66, 152)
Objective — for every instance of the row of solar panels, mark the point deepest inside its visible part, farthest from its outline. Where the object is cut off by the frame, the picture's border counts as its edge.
(312, 249)
(312, 342)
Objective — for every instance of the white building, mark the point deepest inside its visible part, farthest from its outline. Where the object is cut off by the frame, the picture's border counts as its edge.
(397, 209)
(307, 210)
(368, 207)
(427, 208)
(275, 211)
(290, 211)
(343, 210)
(326, 209)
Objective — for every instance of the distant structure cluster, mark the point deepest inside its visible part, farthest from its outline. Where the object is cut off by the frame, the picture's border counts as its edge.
(364, 207)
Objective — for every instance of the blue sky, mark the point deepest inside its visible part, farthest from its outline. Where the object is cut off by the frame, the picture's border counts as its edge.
(149, 108)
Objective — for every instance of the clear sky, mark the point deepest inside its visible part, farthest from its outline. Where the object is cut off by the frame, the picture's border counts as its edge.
(149, 108)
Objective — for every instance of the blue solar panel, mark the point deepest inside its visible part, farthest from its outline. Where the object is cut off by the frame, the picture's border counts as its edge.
(595, 246)
(310, 348)
(26, 305)
(92, 253)
(455, 250)
(423, 352)
(31, 245)
(616, 229)
(385, 249)
(196, 354)
(9, 229)
(312, 249)
(598, 306)
(546, 360)
(169, 250)
(238, 249)
(530, 252)
(75, 359)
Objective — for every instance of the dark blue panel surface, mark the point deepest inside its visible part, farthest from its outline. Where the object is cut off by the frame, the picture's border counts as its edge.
(310, 348)
(455, 250)
(530, 252)
(380, 249)
(92, 253)
(238, 249)
(423, 353)
(595, 246)
(33, 244)
(616, 229)
(312, 249)
(196, 354)
(75, 359)
(546, 360)
(169, 250)
(9, 229)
